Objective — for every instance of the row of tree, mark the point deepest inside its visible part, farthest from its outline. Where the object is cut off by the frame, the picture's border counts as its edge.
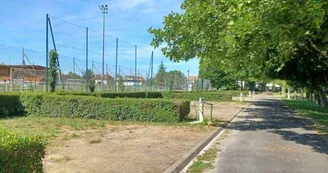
(252, 40)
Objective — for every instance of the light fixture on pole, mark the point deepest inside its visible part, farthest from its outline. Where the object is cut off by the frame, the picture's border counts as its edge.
(104, 9)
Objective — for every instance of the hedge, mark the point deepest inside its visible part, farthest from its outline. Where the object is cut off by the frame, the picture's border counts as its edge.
(53, 105)
(154, 110)
(20, 154)
(10, 104)
(117, 94)
(207, 95)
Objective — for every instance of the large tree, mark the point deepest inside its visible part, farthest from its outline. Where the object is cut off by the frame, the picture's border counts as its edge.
(259, 38)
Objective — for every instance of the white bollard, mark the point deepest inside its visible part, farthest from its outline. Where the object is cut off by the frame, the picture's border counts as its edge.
(201, 109)
(253, 93)
(288, 94)
(241, 97)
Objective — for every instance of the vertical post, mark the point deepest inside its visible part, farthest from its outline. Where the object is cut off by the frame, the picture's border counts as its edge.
(74, 65)
(87, 48)
(135, 67)
(103, 55)
(47, 51)
(241, 96)
(201, 109)
(11, 79)
(288, 94)
(152, 69)
(86, 54)
(23, 63)
(211, 113)
(116, 56)
(106, 74)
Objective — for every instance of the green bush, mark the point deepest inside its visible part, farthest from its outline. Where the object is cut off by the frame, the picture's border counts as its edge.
(10, 104)
(154, 110)
(207, 95)
(117, 94)
(20, 154)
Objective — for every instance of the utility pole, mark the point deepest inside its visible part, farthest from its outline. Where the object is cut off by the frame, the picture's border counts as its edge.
(104, 9)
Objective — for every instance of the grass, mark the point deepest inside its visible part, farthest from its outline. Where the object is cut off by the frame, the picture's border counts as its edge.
(49, 127)
(206, 160)
(305, 108)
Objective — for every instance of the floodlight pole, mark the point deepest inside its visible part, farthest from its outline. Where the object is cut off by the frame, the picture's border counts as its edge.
(47, 51)
(104, 9)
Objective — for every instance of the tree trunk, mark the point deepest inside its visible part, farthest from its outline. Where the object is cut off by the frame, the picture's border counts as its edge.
(322, 96)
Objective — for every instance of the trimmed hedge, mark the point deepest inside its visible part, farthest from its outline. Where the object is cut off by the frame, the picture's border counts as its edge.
(53, 105)
(10, 104)
(154, 110)
(117, 94)
(208, 95)
(20, 154)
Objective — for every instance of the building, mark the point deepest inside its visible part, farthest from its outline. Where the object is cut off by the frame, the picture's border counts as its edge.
(107, 79)
(133, 81)
(26, 73)
(192, 83)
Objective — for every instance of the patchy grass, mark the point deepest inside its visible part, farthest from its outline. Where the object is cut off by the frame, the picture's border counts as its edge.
(307, 109)
(49, 127)
(206, 160)
(199, 166)
(95, 141)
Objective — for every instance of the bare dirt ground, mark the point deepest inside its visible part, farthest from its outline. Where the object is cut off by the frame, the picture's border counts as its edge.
(221, 110)
(128, 148)
(121, 148)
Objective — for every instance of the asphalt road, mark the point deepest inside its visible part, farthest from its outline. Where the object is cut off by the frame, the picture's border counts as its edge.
(266, 138)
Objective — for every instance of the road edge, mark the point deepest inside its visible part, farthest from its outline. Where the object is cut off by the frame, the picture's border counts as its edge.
(186, 158)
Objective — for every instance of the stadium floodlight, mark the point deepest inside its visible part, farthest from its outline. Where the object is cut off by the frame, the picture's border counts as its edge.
(104, 9)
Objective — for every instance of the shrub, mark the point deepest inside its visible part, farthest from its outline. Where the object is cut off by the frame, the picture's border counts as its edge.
(154, 110)
(117, 94)
(10, 104)
(20, 154)
(207, 95)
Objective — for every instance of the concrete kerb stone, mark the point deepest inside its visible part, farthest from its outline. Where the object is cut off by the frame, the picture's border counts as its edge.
(183, 161)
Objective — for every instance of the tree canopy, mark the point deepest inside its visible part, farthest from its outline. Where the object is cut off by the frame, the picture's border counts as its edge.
(259, 39)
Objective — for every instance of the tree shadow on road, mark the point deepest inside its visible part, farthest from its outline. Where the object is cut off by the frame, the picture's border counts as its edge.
(271, 115)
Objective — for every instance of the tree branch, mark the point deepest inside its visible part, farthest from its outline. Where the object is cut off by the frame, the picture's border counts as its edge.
(322, 52)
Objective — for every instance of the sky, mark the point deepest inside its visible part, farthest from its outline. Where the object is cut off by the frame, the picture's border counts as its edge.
(23, 24)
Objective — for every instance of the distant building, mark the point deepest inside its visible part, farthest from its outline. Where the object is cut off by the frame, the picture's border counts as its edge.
(107, 79)
(133, 81)
(26, 73)
(192, 83)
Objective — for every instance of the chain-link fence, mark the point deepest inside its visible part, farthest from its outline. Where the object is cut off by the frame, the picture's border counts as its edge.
(117, 65)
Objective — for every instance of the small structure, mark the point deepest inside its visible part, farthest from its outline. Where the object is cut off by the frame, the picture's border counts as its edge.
(107, 79)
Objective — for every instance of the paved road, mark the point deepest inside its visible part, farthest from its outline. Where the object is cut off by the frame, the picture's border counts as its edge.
(267, 139)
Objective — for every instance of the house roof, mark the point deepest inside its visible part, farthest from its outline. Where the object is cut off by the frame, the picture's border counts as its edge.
(99, 77)
(24, 66)
(192, 78)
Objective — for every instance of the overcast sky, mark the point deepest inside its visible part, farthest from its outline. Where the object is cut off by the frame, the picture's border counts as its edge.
(23, 25)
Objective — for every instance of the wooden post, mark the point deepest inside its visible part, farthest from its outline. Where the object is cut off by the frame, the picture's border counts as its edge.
(201, 109)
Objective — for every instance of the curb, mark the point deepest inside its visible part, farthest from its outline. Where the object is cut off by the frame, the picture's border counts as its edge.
(183, 161)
